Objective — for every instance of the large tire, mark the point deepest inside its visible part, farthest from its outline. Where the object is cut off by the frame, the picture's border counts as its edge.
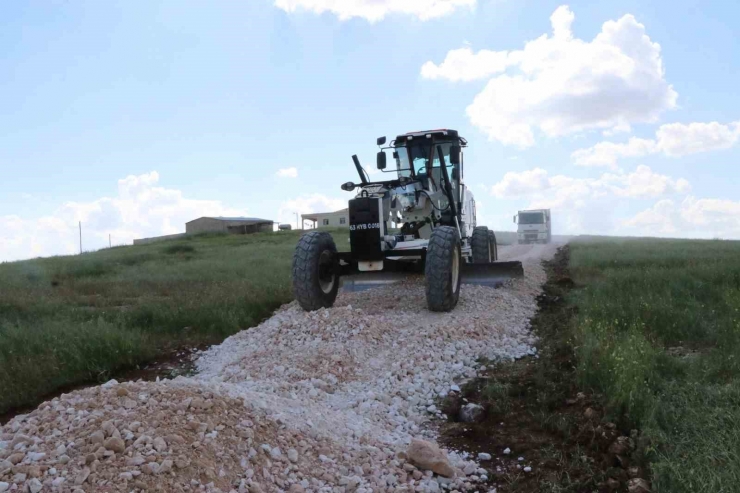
(443, 269)
(493, 244)
(480, 244)
(315, 271)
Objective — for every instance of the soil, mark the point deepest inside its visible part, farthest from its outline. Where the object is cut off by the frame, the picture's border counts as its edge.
(533, 407)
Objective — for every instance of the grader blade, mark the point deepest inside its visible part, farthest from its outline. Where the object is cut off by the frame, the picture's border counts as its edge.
(493, 274)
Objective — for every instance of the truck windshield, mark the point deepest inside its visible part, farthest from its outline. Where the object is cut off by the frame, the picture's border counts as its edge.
(531, 218)
(416, 157)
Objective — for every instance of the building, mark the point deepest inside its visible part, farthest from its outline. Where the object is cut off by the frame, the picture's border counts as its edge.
(337, 219)
(236, 225)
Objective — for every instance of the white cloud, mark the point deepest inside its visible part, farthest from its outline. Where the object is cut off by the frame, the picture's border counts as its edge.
(524, 183)
(464, 65)
(642, 182)
(563, 85)
(693, 217)
(308, 203)
(677, 139)
(376, 10)
(673, 139)
(607, 153)
(287, 173)
(586, 205)
(140, 209)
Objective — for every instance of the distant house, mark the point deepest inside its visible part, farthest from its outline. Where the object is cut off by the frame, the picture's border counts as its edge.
(337, 219)
(236, 225)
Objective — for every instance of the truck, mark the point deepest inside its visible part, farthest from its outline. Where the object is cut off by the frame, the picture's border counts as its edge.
(533, 226)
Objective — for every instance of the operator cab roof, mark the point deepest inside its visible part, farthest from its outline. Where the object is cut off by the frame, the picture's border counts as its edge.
(438, 134)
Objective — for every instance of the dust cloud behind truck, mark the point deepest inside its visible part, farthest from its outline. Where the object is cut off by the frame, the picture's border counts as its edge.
(533, 226)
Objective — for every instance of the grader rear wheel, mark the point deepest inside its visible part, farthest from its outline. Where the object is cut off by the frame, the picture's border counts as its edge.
(481, 245)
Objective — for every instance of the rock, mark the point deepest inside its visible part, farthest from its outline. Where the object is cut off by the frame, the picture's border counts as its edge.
(5, 466)
(34, 486)
(484, 456)
(612, 484)
(114, 444)
(634, 472)
(121, 392)
(255, 488)
(165, 467)
(82, 476)
(296, 488)
(136, 460)
(150, 468)
(58, 482)
(589, 413)
(455, 388)
(507, 451)
(182, 462)
(471, 413)
(638, 485)
(293, 455)
(160, 445)
(90, 458)
(126, 476)
(4, 486)
(621, 446)
(426, 455)
(16, 458)
(97, 437)
(527, 469)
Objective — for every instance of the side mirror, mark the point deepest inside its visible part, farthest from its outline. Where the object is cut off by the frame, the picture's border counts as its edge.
(514, 219)
(381, 159)
(455, 174)
(455, 154)
(381, 140)
(348, 187)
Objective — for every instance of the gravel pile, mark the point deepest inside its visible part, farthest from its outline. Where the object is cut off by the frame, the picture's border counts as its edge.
(325, 401)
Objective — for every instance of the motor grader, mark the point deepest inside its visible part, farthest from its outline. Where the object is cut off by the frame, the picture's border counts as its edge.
(426, 196)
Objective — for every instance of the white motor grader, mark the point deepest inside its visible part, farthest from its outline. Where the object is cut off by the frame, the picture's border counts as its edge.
(438, 236)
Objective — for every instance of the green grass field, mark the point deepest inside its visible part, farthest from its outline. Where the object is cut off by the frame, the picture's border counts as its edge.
(658, 334)
(66, 320)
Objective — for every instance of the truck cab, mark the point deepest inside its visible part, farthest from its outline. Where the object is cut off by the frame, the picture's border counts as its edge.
(533, 226)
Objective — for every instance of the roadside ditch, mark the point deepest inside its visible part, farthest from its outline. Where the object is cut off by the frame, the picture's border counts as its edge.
(542, 434)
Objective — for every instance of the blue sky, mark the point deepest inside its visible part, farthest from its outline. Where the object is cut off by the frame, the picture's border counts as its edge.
(135, 116)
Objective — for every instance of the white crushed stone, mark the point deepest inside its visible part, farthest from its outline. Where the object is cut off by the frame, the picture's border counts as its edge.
(318, 402)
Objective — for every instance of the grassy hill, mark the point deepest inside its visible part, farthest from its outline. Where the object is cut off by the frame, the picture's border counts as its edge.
(65, 320)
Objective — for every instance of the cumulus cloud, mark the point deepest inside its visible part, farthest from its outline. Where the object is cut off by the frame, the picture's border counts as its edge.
(308, 203)
(376, 10)
(517, 184)
(562, 85)
(140, 209)
(287, 173)
(692, 217)
(643, 182)
(673, 139)
(586, 204)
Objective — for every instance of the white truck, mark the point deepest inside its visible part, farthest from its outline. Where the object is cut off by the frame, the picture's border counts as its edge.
(533, 226)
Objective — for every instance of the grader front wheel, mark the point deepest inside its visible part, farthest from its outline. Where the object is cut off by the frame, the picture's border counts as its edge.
(443, 269)
(315, 271)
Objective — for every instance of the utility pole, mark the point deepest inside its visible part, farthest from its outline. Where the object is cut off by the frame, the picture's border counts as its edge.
(80, 224)
(110, 245)
(296, 221)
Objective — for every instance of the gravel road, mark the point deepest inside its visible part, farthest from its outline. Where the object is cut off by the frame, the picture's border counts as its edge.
(324, 401)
